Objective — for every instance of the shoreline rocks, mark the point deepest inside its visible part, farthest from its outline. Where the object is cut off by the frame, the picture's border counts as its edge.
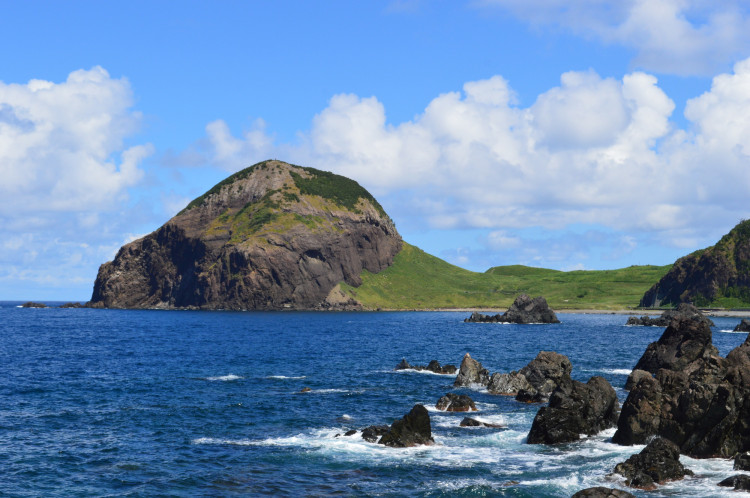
(684, 310)
(524, 310)
(412, 430)
(743, 326)
(472, 422)
(471, 372)
(602, 492)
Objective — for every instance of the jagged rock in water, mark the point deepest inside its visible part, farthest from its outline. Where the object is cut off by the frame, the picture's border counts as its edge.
(658, 463)
(698, 400)
(434, 367)
(684, 342)
(602, 492)
(743, 326)
(684, 310)
(372, 433)
(523, 310)
(72, 305)
(740, 482)
(575, 408)
(272, 236)
(471, 372)
(412, 430)
(545, 373)
(452, 402)
(707, 275)
(508, 384)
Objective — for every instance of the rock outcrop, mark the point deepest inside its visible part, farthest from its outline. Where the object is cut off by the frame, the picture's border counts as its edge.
(742, 461)
(658, 463)
(31, 304)
(720, 271)
(602, 492)
(697, 399)
(534, 382)
(740, 482)
(412, 430)
(471, 372)
(472, 422)
(523, 310)
(743, 326)
(684, 310)
(635, 377)
(575, 408)
(452, 402)
(434, 367)
(272, 236)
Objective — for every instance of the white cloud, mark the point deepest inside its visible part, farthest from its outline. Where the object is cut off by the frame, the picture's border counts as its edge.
(669, 36)
(590, 151)
(61, 144)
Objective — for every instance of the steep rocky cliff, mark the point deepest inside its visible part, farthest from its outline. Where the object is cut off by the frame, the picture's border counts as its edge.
(271, 236)
(703, 277)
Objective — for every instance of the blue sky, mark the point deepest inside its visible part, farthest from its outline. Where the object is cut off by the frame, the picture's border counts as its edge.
(571, 135)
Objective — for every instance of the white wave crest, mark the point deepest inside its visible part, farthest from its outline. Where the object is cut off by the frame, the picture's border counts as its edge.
(284, 377)
(225, 378)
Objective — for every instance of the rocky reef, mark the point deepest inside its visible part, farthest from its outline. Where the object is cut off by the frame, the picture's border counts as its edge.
(272, 236)
(523, 310)
(684, 310)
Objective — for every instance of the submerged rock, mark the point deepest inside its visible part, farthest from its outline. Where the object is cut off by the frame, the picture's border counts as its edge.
(472, 422)
(602, 492)
(456, 403)
(412, 430)
(433, 366)
(524, 310)
(740, 482)
(471, 372)
(575, 408)
(658, 463)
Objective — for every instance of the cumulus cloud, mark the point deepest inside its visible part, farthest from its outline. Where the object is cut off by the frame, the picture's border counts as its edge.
(683, 37)
(592, 150)
(65, 173)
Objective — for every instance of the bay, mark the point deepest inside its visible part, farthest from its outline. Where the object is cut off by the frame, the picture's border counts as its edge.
(185, 403)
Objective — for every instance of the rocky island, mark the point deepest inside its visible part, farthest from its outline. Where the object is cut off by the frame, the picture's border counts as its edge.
(272, 236)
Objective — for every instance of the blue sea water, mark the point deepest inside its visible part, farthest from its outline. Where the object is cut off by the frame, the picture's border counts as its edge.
(186, 403)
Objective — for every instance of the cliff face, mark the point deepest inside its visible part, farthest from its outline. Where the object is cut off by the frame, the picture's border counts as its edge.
(721, 271)
(271, 236)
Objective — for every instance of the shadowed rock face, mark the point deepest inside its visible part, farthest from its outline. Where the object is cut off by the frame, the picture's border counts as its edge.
(271, 236)
(658, 463)
(718, 271)
(697, 399)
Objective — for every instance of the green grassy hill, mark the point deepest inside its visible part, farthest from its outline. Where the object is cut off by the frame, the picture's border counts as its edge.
(417, 280)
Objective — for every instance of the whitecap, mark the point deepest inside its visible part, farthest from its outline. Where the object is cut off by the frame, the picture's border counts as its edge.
(284, 377)
(728, 331)
(612, 371)
(413, 370)
(224, 378)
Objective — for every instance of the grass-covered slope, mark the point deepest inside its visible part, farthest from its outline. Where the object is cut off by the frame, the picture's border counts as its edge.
(417, 280)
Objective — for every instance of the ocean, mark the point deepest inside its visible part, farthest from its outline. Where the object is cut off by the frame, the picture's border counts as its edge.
(188, 403)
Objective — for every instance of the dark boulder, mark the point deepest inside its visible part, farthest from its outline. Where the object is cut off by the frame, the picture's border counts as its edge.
(684, 310)
(433, 366)
(523, 310)
(658, 463)
(372, 433)
(743, 326)
(602, 492)
(32, 304)
(456, 403)
(412, 430)
(72, 305)
(472, 422)
(575, 408)
(742, 461)
(471, 372)
(404, 365)
(740, 482)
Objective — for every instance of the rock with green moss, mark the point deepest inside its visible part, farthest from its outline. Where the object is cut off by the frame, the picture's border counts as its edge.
(272, 236)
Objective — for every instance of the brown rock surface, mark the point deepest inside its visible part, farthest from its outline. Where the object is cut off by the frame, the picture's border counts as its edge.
(271, 236)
